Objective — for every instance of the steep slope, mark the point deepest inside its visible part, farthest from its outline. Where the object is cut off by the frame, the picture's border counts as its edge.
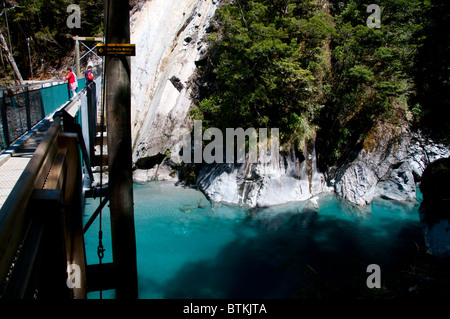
(293, 178)
(389, 165)
(168, 37)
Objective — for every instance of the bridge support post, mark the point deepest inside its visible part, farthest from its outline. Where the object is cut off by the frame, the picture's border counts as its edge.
(118, 114)
(92, 117)
(77, 57)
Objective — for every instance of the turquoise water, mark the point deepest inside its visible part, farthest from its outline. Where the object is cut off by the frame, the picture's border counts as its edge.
(188, 247)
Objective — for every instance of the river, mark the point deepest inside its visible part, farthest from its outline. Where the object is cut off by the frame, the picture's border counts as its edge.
(189, 247)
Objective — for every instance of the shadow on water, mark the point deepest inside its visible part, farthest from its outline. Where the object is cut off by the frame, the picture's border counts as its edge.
(189, 248)
(299, 256)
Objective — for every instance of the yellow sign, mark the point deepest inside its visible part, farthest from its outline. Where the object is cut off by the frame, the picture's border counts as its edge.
(115, 49)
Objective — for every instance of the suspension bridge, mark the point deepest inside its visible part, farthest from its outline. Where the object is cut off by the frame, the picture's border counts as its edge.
(50, 146)
(44, 178)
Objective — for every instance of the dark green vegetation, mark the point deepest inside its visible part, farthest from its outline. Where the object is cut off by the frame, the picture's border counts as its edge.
(44, 22)
(315, 70)
(267, 66)
(432, 75)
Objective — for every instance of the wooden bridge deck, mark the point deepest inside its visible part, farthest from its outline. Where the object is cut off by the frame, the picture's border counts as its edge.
(14, 160)
(41, 204)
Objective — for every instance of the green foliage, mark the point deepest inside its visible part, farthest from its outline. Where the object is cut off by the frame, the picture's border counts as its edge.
(44, 22)
(290, 64)
(417, 111)
(266, 67)
(372, 72)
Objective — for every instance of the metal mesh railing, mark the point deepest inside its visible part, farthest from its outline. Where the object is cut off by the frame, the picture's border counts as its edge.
(21, 110)
(28, 239)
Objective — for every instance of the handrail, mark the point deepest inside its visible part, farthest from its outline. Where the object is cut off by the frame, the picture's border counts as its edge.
(27, 85)
(37, 101)
(13, 220)
(21, 223)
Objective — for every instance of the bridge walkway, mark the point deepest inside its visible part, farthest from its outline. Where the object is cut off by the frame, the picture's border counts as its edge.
(14, 160)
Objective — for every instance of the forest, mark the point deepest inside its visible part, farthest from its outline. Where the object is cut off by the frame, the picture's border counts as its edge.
(317, 71)
(313, 69)
(37, 34)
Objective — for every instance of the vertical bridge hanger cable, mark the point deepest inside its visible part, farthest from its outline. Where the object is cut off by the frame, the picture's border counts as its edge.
(100, 248)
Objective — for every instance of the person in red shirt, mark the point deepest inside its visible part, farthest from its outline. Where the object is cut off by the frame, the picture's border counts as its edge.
(72, 84)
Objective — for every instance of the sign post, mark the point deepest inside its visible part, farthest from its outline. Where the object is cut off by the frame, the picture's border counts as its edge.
(77, 58)
(79, 40)
(116, 49)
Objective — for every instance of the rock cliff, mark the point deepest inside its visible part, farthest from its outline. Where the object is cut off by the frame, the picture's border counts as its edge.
(293, 178)
(389, 165)
(169, 38)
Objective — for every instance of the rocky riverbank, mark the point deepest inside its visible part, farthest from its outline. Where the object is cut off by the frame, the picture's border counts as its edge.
(389, 164)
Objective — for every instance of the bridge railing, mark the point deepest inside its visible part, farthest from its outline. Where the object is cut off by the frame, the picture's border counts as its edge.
(22, 107)
(41, 229)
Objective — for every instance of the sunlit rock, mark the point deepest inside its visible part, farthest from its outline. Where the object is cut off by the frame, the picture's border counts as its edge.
(162, 68)
(264, 183)
(387, 166)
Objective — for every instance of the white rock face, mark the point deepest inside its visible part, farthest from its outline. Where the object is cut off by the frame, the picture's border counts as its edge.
(168, 37)
(385, 167)
(160, 172)
(264, 183)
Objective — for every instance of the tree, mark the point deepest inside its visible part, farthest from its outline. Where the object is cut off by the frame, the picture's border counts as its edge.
(10, 58)
(265, 67)
(290, 64)
(44, 22)
(372, 74)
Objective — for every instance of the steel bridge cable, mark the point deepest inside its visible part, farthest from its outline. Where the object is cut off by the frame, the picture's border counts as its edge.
(100, 248)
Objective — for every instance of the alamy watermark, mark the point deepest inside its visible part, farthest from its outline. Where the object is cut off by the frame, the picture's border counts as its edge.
(374, 279)
(234, 146)
(74, 20)
(374, 20)
(73, 276)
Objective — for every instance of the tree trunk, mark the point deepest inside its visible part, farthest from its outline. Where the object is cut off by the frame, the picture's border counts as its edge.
(11, 58)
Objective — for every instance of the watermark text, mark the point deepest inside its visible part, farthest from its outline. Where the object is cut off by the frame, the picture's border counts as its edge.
(73, 20)
(235, 145)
